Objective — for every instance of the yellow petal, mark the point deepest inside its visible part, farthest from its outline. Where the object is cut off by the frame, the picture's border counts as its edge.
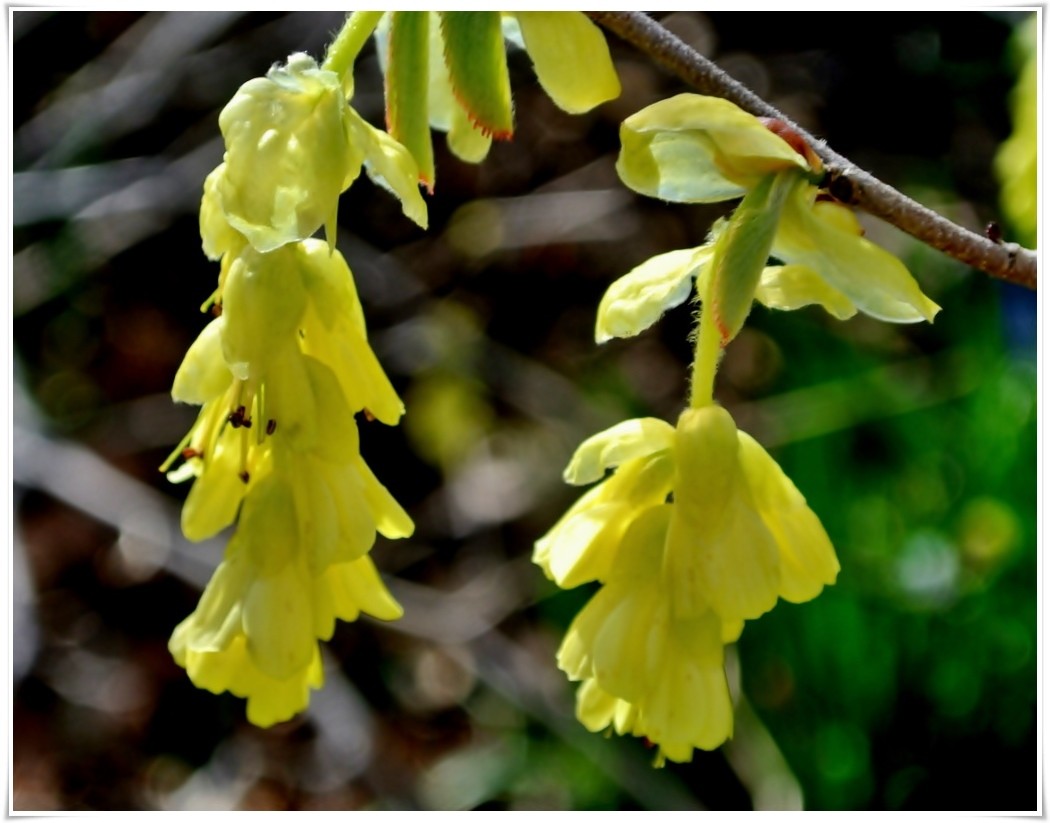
(345, 350)
(571, 58)
(263, 300)
(330, 285)
(357, 587)
(720, 554)
(315, 511)
(217, 618)
(689, 708)
(825, 237)
(391, 166)
(639, 298)
(624, 441)
(391, 519)
(795, 286)
(594, 708)
(807, 559)
(583, 545)
(270, 700)
(269, 526)
(338, 439)
(217, 235)
(203, 374)
(278, 622)
(696, 149)
(356, 525)
(217, 492)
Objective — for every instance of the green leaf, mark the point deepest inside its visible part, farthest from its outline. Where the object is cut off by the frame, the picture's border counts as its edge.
(407, 88)
(477, 65)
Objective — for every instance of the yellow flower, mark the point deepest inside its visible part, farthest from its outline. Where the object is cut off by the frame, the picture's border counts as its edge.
(254, 632)
(296, 563)
(741, 534)
(288, 153)
(293, 144)
(680, 578)
(699, 149)
(645, 671)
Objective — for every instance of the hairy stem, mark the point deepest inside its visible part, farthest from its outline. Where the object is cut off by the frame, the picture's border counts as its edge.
(348, 43)
(1007, 261)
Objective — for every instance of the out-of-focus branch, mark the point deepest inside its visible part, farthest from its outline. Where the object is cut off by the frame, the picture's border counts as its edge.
(1007, 261)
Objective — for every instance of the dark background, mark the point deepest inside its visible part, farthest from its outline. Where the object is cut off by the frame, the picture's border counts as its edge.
(911, 684)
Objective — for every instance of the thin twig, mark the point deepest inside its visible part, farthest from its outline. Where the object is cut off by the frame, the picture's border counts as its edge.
(1007, 261)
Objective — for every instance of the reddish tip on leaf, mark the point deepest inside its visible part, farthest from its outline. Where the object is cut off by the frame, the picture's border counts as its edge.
(488, 131)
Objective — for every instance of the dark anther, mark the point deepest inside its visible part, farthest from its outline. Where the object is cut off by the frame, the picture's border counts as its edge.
(368, 415)
(994, 232)
(190, 453)
(236, 418)
(216, 309)
(243, 476)
(271, 426)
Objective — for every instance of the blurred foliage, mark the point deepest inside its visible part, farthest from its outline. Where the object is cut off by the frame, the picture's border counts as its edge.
(911, 684)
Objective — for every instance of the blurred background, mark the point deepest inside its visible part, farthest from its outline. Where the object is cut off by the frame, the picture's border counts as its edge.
(910, 684)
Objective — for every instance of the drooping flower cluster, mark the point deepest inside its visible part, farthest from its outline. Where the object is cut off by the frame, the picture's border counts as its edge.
(698, 530)
(280, 374)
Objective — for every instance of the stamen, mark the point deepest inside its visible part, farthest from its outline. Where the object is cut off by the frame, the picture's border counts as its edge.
(236, 417)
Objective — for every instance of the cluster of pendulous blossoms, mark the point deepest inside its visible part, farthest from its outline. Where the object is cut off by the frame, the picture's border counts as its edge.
(698, 530)
(280, 374)
(285, 366)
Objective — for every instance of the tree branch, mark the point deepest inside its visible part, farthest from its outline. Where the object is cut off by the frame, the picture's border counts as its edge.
(1007, 261)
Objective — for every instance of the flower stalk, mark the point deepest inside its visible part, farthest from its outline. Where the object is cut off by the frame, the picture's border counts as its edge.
(352, 37)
